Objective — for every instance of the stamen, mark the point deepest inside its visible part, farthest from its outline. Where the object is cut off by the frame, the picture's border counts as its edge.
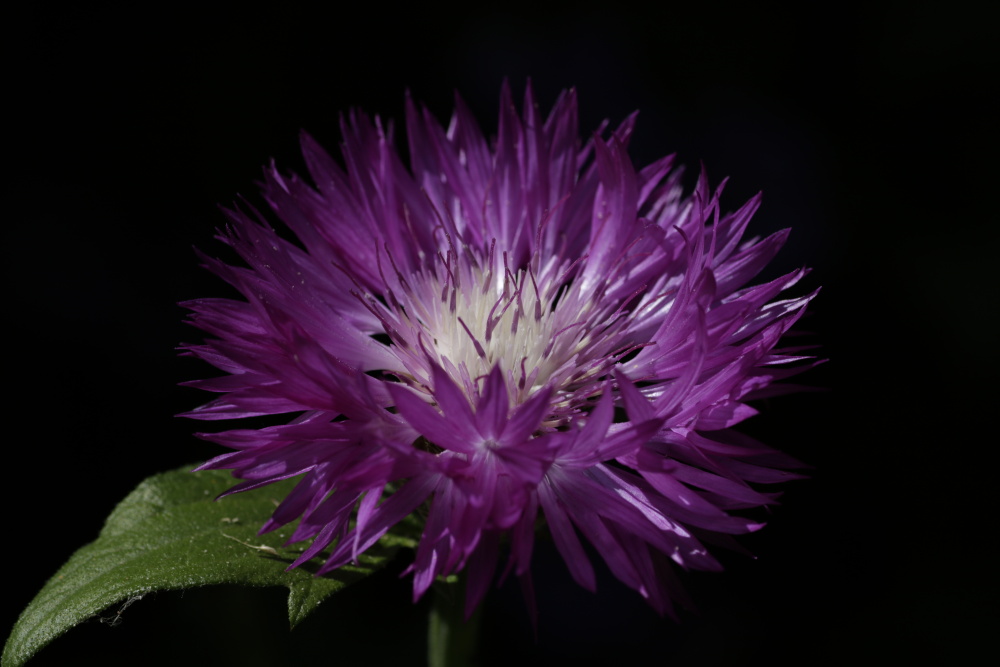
(543, 223)
(369, 303)
(625, 302)
(506, 273)
(399, 274)
(565, 275)
(552, 341)
(479, 348)
(453, 255)
(491, 321)
(411, 231)
(623, 255)
(489, 274)
(538, 299)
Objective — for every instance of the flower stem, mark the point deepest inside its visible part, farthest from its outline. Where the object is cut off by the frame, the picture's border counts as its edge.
(451, 640)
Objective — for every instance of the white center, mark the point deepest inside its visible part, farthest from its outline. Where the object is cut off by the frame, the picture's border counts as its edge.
(471, 313)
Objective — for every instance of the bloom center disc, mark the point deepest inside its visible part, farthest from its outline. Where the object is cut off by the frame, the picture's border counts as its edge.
(474, 311)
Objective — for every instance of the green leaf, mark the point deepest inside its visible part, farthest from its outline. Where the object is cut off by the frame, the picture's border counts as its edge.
(171, 534)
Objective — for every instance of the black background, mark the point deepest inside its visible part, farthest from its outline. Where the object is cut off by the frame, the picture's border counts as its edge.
(866, 128)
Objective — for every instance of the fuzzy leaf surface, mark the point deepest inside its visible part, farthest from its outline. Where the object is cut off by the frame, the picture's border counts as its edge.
(170, 534)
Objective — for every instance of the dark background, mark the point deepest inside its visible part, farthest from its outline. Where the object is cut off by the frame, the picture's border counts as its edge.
(866, 128)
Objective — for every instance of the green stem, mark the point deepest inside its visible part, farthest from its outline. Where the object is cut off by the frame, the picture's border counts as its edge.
(451, 640)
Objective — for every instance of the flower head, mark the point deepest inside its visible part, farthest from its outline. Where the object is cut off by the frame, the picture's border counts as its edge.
(506, 331)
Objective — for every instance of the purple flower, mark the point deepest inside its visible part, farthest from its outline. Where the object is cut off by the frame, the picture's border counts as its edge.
(503, 332)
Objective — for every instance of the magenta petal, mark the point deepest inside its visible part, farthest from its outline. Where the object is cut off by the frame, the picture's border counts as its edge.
(491, 413)
(527, 418)
(431, 424)
(388, 514)
(454, 403)
(593, 433)
(566, 540)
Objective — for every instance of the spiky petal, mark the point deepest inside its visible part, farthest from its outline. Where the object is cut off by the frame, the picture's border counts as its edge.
(500, 332)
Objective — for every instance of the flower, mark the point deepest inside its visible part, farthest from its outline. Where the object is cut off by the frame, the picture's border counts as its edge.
(503, 333)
